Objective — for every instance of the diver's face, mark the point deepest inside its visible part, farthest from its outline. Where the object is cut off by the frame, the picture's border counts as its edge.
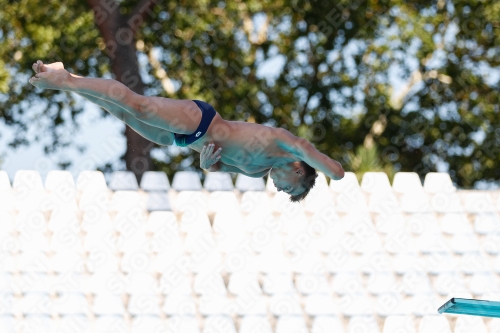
(287, 180)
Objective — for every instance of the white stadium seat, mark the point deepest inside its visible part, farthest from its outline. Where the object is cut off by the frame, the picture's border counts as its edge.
(110, 323)
(147, 323)
(347, 283)
(144, 305)
(8, 323)
(355, 305)
(33, 303)
(383, 203)
(252, 201)
(158, 201)
(470, 324)
(434, 323)
(253, 324)
(341, 261)
(126, 201)
(123, 181)
(219, 324)
(455, 223)
(222, 201)
(155, 181)
(317, 199)
(184, 324)
(425, 304)
(486, 223)
(381, 283)
(4, 181)
(378, 262)
(32, 282)
(446, 202)
(285, 305)
(449, 283)
(471, 263)
(351, 201)
(436, 182)
(179, 305)
(209, 284)
(399, 323)
(70, 304)
(407, 182)
(327, 324)
(186, 181)
(61, 188)
(251, 305)
(243, 283)
(7, 304)
(278, 284)
(415, 202)
(40, 323)
(478, 202)
(245, 183)
(108, 304)
(494, 325)
(415, 282)
(362, 324)
(187, 201)
(391, 304)
(215, 305)
(464, 243)
(174, 281)
(26, 180)
(291, 324)
(311, 283)
(482, 283)
(347, 184)
(218, 181)
(320, 305)
(8, 199)
(91, 181)
(375, 182)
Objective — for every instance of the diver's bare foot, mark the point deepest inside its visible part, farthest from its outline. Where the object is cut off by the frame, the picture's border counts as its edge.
(40, 67)
(51, 76)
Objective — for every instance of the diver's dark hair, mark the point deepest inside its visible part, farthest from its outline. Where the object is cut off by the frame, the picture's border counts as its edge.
(308, 180)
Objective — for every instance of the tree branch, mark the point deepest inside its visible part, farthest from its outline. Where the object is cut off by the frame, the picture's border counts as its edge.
(106, 17)
(141, 12)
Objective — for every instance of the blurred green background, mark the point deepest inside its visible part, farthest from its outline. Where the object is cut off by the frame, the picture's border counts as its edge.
(378, 85)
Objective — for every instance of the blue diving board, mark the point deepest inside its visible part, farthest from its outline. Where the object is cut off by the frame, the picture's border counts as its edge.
(473, 307)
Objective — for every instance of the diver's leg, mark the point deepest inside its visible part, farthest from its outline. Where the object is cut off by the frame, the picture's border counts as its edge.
(154, 134)
(176, 116)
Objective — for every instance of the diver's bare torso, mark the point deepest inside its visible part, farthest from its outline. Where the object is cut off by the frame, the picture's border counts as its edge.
(248, 146)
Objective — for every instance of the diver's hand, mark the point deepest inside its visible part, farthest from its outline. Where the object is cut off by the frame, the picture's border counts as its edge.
(208, 158)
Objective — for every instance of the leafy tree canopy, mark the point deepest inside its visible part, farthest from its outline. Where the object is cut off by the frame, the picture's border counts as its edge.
(331, 67)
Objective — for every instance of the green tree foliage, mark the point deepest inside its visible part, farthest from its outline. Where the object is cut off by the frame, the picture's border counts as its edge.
(333, 63)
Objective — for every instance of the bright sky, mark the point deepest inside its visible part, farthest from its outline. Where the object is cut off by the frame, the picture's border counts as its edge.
(102, 136)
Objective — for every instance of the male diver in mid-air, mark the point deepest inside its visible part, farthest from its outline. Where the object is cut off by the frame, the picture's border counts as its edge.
(227, 146)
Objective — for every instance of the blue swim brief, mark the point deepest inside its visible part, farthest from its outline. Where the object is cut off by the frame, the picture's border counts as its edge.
(207, 114)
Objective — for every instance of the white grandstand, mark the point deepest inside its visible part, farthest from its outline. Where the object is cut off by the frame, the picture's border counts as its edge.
(95, 257)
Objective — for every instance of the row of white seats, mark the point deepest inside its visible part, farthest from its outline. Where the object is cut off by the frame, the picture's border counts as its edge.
(161, 221)
(372, 182)
(477, 202)
(246, 283)
(354, 304)
(201, 260)
(247, 324)
(134, 241)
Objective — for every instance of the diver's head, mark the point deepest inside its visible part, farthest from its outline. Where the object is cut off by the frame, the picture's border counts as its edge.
(295, 178)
